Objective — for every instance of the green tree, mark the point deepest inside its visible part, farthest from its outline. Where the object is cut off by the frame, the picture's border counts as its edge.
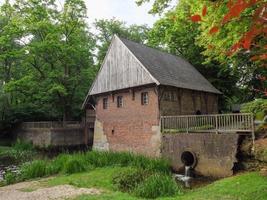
(57, 62)
(236, 75)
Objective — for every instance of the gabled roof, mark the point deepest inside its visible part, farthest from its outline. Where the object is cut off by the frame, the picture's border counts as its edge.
(129, 64)
(168, 69)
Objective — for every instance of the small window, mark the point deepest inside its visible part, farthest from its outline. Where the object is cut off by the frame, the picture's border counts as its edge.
(105, 103)
(144, 98)
(119, 101)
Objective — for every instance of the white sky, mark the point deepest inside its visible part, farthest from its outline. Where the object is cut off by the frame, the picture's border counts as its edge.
(124, 10)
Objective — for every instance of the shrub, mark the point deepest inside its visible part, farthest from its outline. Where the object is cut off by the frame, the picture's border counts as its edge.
(34, 169)
(258, 107)
(10, 178)
(127, 180)
(157, 185)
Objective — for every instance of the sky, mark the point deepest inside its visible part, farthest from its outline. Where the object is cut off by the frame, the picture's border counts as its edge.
(124, 10)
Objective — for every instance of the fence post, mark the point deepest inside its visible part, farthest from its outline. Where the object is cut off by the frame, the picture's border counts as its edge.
(187, 124)
(252, 132)
(216, 124)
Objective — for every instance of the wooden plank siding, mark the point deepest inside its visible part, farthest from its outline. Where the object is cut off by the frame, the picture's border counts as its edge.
(120, 70)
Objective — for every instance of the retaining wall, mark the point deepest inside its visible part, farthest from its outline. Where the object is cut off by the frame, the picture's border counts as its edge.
(216, 153)
(44, 137)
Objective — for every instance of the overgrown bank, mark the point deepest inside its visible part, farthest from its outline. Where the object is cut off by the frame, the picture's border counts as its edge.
(144, 177)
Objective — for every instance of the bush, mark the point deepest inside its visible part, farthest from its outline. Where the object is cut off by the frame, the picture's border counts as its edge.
(10, 178)
(127, 180)
(157, 185)
(34, 169)
(258, 107)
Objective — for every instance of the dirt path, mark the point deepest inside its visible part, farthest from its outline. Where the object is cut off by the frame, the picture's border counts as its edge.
(33, 191)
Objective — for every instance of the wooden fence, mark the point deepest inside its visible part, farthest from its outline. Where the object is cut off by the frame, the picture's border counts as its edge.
(219, 123)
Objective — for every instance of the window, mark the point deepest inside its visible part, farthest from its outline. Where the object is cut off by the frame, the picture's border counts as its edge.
(144, 98)
(105, 103)
(119, 101)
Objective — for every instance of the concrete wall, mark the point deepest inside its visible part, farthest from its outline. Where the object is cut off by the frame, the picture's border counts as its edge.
(133, 127)
(178, 101)
(215, 152)
(44, 137)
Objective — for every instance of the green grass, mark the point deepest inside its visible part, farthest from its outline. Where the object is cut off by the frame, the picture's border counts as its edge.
(3, 149)
(246, 186)
(242, 187)
(98, 178)
(84, 162)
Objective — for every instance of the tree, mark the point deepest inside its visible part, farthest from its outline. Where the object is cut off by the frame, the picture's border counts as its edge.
(221, 43)
(57, 60)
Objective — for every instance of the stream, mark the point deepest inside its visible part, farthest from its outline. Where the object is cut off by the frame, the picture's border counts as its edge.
(7, 165)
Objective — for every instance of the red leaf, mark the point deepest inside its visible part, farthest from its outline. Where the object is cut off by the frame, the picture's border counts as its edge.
(213, 30)
(230, 4)
(254, 58)
(247, 43)
(263, 56)
(204, 11)
(196, 18)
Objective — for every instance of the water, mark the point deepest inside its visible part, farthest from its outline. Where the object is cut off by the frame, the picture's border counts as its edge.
(5, 169)
(184, 178)
(191, 180)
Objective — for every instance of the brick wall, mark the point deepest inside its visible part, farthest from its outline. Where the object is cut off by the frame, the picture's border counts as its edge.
(133, 127)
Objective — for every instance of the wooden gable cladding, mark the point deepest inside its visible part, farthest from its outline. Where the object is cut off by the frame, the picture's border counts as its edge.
(120, 69)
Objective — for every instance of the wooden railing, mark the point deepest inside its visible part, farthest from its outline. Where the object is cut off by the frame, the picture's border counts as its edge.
(51, 124)
(219, 123)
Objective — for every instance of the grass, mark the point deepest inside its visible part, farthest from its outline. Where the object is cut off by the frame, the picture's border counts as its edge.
(82, 162)
(245, 186)
(104, 166)
(3, 149)
(18, 153)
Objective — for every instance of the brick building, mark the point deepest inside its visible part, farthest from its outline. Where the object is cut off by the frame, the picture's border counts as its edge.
(134, 87)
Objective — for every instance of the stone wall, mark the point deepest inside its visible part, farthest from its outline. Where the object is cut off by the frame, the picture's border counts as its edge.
(178, 101)
(133, 127)
(216, 153)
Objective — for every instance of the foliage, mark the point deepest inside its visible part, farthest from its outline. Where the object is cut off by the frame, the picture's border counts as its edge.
(53, 58)
(10, 178)
(157, 185)
(75, 165)
(205, 44)
(80, 162)
(34, 169)
(22, 146)
(127, 180)
(258, 107)
(102, 159)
